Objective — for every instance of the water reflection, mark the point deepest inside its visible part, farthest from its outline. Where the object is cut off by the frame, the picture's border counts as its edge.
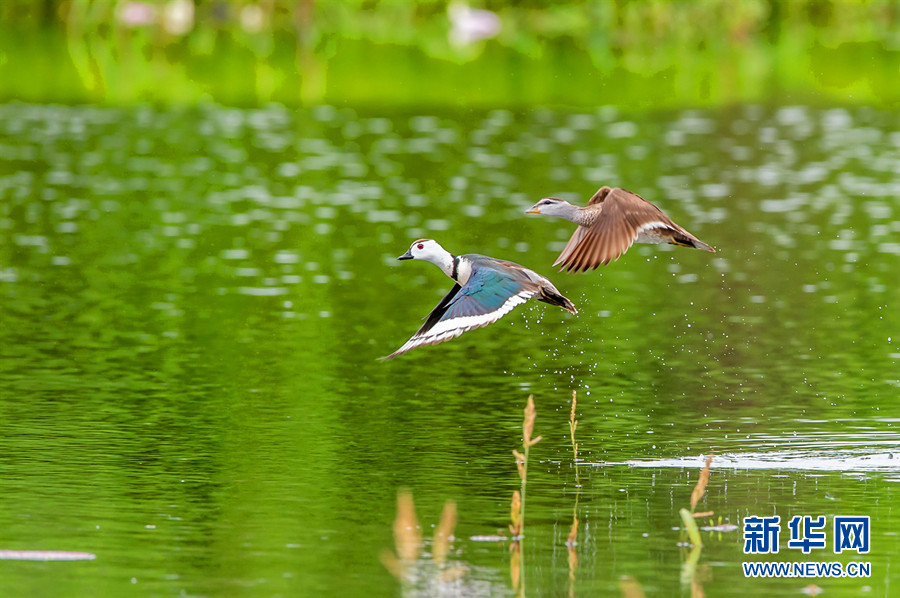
(193, 301)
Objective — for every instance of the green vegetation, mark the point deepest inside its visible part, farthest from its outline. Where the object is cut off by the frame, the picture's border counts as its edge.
(193, 301)
(409, 568)
(636, 54)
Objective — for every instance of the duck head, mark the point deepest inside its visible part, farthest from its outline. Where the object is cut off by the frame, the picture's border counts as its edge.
(431, 251)
(551, 206)
(425, 249)
(559, 208)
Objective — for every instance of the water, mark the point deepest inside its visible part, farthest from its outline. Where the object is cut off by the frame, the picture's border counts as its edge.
(192, 303)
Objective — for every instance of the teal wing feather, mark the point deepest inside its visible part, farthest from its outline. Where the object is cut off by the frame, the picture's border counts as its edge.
(488, 295)
(486, 291)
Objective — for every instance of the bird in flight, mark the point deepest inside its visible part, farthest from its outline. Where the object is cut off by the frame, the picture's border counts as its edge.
(486, 289)
(609, 224)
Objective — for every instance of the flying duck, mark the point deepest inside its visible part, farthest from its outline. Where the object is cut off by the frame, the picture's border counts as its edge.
(609, 224)
(486, 289)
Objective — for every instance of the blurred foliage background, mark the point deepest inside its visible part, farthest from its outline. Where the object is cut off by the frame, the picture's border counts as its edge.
(193, 294)
(630, 53)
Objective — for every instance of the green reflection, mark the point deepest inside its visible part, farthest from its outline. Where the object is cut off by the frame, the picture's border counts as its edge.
(193, 301)
(641, 54)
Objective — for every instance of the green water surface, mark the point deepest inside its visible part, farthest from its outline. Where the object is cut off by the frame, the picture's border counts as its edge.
(192, 302)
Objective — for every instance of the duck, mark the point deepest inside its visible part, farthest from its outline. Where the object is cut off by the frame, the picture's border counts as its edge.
(485, 290)
(611, 222)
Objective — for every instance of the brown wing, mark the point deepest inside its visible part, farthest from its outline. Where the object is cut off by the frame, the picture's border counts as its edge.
(618, 217)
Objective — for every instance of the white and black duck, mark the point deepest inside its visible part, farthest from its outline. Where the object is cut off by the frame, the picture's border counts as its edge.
(486, 289)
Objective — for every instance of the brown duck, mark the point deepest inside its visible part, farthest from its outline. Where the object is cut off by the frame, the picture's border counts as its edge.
(609, 224)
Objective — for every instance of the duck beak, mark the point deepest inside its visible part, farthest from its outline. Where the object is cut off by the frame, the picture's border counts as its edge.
(533, 210)
(406, 256)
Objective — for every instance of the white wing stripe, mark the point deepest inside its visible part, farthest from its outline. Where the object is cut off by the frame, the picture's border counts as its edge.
(649, 225)
(469, 322)
(448, 329)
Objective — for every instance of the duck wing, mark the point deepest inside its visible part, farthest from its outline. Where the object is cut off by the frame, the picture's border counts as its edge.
(619, 216)
(488, 295)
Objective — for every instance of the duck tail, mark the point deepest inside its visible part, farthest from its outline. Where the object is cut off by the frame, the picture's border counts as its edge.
(553, 297)
(691, 241)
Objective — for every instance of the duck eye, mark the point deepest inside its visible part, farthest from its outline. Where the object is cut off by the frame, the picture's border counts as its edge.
(420, 246)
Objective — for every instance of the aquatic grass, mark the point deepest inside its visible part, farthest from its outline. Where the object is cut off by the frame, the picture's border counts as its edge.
(408, 543)
(407, 538)
(572, 539)
(689, 570)
(443, 533)
(700, 489)
(689, 567)
(572, 558)
(407, 567)
(517, 507)
(517, 510)
(573, 425)
(515, 515)
(689, 517)
(690, 526)
(515, 568)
